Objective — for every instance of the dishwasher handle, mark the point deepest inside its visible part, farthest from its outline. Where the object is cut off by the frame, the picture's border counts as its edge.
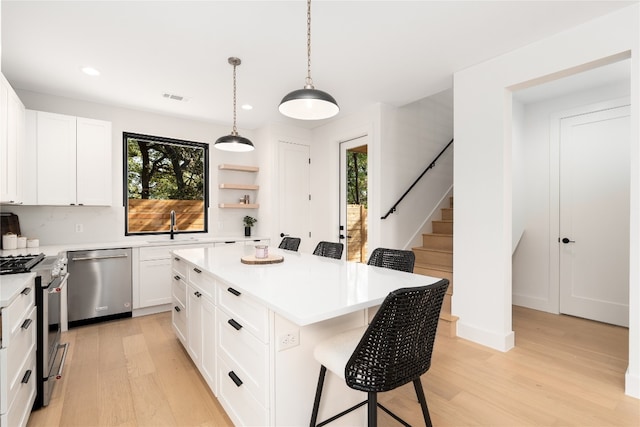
(91, 258)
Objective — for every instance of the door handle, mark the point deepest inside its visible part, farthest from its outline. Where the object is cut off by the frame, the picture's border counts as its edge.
(566, 240)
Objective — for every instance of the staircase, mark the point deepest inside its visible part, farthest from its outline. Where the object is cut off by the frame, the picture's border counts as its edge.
(435, 258)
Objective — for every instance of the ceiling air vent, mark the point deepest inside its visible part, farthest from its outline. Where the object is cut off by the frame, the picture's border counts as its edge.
(174, 97)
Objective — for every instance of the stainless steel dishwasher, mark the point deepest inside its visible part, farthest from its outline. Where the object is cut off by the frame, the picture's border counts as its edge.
(99, 286)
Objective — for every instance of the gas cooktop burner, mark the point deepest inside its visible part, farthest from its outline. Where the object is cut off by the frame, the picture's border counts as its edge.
(19, 264)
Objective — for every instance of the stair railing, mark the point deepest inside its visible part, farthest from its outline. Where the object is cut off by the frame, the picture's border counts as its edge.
(431, 165)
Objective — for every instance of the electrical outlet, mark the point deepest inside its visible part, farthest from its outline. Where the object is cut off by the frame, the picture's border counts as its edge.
(288, 340)
(79, 228)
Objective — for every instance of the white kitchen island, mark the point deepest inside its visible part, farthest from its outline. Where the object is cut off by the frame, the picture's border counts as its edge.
(251, 329)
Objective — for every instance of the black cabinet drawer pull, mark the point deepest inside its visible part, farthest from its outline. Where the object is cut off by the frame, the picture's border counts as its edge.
(176, 277)
(176, 258)
(197, 271)
(235, 378)
(26, 324)
(233, 291)
(198, 294)
(25, 378)
(237, 326)
(177, 309)
(26, 291)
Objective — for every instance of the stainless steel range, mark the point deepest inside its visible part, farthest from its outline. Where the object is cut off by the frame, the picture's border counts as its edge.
(51, 279)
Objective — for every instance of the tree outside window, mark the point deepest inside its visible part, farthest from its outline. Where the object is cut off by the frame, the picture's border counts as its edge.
(162, 175)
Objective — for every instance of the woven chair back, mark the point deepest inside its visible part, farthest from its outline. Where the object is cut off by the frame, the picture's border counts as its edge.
(395, 259)
(329, 249)
(397, 346)
(290, 243)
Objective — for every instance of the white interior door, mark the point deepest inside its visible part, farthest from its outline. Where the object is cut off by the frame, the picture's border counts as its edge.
(594, 215)
(351, 234)
(294, 196)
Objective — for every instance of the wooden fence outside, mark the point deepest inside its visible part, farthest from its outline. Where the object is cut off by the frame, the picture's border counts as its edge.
(148, 215)
(357, 229)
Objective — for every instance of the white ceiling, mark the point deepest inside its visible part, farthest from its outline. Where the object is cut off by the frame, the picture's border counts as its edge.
(363, 52)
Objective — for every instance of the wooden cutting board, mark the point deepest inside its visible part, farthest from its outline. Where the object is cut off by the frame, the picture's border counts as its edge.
(271, 259)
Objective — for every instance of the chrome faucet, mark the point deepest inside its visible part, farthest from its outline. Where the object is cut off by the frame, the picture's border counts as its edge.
(172, 223)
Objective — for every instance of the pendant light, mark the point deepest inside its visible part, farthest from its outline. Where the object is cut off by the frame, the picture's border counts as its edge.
(234, 142)
(309, 103)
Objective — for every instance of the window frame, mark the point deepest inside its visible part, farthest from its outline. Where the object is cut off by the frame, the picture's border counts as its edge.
(125, 180)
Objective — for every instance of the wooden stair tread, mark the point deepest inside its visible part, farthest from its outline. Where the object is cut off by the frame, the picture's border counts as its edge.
(422, 248)
(443, 268)
(448, 317)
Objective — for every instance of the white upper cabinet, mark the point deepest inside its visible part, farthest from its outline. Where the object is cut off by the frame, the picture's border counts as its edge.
(73, 160)
(12, 127)
(93, 162)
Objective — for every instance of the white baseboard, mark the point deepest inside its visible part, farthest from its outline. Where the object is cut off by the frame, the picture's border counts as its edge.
(632, 385)
(533, 303)
(145, 311)
(487, 338)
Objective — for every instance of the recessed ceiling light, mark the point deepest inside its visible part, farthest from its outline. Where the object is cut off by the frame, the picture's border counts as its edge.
(90, 71)
(247, 107)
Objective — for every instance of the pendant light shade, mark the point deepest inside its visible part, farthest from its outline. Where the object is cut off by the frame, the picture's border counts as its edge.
(233, 141)
(309, 103)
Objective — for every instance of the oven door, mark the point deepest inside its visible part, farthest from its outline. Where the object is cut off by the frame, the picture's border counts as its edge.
(54, 353)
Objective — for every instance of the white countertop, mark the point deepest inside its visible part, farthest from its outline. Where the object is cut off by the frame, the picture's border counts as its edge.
(11, 285)
(53, 250)
(305, 288)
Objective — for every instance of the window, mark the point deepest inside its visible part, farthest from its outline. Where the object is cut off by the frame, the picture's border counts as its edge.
(163, 175)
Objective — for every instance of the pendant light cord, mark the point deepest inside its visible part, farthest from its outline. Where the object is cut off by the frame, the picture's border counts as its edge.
(309, 81)
(234, 132)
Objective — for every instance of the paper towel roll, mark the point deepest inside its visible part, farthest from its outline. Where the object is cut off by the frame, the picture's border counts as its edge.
(9, 241)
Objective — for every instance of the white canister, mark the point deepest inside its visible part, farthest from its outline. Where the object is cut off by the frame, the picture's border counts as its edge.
(9, 241)
(22, 242)
(262, 251)
(33, 243)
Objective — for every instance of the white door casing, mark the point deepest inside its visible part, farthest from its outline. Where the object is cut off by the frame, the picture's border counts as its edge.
(294, 205)
(594, 215)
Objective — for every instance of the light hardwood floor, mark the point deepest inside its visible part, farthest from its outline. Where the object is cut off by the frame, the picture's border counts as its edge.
(564, 371)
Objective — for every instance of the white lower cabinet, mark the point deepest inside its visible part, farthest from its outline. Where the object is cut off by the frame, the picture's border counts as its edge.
(227, 339)
(155, 275)
(18, 358)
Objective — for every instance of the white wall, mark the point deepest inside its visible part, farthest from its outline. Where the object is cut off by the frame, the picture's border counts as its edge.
(532, 286)
(483, 172)
(422, 129)
(56, 225)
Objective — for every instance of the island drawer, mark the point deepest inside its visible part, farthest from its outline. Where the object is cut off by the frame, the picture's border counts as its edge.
(179, 289)
(247, 355)
(238, 402)
(179, 320)
(180, 266)
(252, 314)
(201, 280)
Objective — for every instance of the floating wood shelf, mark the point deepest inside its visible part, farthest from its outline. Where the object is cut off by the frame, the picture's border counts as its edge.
(239, 187)
(239, 168)
(239, 205)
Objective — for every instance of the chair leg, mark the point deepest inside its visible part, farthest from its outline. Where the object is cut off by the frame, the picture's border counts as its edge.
(417, 384)
(372, 409)
(316, 402)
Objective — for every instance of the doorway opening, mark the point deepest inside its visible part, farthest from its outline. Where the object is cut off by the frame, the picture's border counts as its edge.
(354, 185)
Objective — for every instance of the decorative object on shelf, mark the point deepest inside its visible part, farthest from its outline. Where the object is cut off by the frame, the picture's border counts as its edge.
(233, 141)
(309, 103)
(248, 221)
